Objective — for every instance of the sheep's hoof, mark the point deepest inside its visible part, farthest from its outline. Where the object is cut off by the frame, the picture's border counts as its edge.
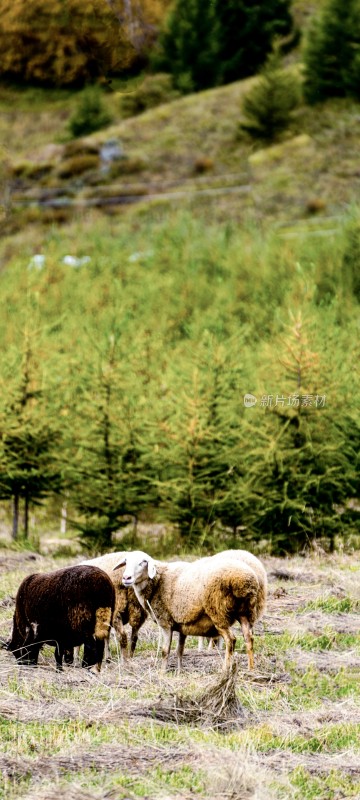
(95, 669)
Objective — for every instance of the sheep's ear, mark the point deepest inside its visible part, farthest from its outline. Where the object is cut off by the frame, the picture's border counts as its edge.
(120, 564)
(151, 568)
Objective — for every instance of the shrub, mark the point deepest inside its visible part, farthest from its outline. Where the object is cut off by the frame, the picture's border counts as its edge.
(72, 42)
(202, 165)
(268, 106)
(127, 166)
(30, 170)
(80, 147)
(65, 42)
(153, 90)
(77, 165)
(90, 114)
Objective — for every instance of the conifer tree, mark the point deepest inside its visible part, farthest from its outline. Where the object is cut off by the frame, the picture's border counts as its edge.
(303, 465)
(203, 44)
(247, 32)
(331, 52)
(90, 114)
(268, 106)
(104, 475)
(188, 45)
(195, 459)
(29, 444)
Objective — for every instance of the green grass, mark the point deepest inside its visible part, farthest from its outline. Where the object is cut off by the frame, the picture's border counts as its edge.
(331, 739)
(155, 783)
(313, 687)
(324, 787)
(333, 605)
(329, 640)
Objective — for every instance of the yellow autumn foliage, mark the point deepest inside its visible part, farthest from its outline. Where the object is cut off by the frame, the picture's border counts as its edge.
(69, 42)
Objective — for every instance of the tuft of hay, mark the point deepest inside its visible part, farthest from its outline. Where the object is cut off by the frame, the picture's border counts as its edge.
(217, 706)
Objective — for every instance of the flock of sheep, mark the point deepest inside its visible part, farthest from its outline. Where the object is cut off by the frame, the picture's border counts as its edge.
(78, 605)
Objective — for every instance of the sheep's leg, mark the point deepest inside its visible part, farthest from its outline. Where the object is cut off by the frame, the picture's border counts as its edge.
(77, 659)
(93, 653)
(29, 651)
(25, 644)
(180, 650)
(214, 642)
(107, 652)
(59, 652)
(133, 641)
(167, 639)
(69, 655)
(249, 640)
(229, 639)
(121, 636)
(29, 655)
(100, 646)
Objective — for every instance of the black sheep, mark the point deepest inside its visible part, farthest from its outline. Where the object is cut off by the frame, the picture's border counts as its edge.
(65, 608)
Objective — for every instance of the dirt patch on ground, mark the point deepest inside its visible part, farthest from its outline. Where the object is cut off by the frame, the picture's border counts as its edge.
(9, 561)
(324, 660)
(315, 763)
(306, 723)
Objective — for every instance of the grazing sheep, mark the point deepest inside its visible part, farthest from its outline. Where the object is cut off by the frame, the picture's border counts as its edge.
(65, 608)
(127, 607)
(201, 598)
(260, 572)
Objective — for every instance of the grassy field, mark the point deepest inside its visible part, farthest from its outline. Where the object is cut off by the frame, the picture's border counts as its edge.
(289, 730)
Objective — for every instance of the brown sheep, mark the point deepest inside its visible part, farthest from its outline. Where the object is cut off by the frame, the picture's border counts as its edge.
(65, 608)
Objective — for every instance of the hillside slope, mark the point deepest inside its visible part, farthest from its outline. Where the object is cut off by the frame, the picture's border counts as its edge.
(189, 150)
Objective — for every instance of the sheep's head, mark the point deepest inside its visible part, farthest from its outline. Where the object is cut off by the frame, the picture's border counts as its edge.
(139, 567)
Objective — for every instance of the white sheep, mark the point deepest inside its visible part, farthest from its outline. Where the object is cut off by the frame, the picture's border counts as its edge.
(201, 598)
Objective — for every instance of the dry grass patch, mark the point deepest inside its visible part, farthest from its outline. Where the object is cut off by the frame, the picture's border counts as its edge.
(287, 730)
(217, 705)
